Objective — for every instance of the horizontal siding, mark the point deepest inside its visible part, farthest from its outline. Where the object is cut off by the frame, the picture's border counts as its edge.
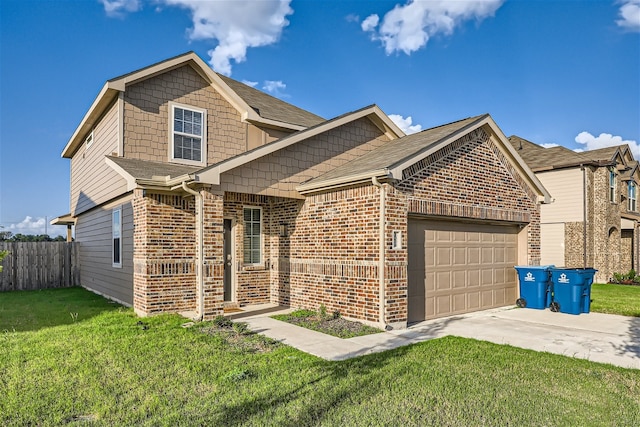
(93, 232)
(565, 186)
(552, 244)
(92, 181)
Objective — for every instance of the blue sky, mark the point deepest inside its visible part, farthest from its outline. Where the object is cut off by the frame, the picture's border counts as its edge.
(554, 72)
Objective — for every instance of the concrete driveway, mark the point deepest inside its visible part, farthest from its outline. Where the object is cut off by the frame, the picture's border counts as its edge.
(597, 337)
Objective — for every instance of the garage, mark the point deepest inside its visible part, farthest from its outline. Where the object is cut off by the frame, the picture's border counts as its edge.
(457, 267)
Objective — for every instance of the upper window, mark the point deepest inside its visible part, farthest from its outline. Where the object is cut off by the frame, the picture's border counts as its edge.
(188, 134)
(88, 141)
(116, 233)
(632, 196)
(612, 185)
(252, 235)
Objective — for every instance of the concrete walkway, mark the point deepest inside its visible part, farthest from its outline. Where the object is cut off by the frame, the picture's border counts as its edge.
(597, 337)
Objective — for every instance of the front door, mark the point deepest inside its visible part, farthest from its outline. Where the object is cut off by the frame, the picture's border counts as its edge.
(228, 261)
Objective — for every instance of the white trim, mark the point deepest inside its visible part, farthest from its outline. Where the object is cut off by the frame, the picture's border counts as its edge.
(234, 294)
(244, 230)
(88, 141)
(121, 124)
(203, 136)
(116, 234)
(633, 201)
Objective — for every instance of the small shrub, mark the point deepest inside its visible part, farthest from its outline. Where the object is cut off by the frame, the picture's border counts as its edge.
(222, 322)
(336, 314)
(630, 278)
(322, 312)
(241, 328)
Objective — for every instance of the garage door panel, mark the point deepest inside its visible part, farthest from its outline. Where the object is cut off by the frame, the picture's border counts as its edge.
(459, 279)
(473, 255)
(473, 278)
(443, 257)
(443, 280)
(487, 255)
(459, 302)
(459, 256)
(486, 275)
(466, 267)
(473, 300)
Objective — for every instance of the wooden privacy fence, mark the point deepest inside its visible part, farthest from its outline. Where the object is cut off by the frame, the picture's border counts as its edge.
(39, 265)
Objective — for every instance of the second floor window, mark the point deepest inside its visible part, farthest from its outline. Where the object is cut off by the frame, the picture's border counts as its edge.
(612, 185)
(188, 130)
(632, 196)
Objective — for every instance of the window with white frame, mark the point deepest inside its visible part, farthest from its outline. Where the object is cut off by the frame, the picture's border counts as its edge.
(632, 196)
(188, 134)
(252, 235)
(88, 141)
(116, 234)
(612, 185)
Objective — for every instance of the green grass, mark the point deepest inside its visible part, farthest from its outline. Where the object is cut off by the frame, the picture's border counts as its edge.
(107, 369)
(616, 299)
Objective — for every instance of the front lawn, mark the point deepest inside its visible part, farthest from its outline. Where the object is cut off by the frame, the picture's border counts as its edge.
(108, 367)
(616, 299)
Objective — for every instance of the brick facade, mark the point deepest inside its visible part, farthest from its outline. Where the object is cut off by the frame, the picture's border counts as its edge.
(323, 250)
(609, 248)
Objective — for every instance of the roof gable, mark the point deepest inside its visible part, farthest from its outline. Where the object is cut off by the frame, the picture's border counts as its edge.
(254, 106)
(391, 160)
(211, 174)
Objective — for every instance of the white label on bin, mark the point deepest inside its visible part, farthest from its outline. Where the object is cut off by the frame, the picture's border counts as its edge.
(563, 278)
(529, 277)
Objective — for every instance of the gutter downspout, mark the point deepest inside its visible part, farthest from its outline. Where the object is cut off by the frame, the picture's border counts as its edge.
(584, 216)
(199, 249)
(381, 254)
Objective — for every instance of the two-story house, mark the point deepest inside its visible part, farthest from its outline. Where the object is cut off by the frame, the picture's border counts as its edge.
(593, 221)
(191, 192)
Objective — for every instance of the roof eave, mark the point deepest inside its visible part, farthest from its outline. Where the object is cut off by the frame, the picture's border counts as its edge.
(329, 184)
(109, 92)
(211, 174)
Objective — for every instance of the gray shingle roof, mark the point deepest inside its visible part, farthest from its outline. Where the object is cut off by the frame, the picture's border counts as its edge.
(396, 151)
(144, 169)
(269, 107)
(540, 158)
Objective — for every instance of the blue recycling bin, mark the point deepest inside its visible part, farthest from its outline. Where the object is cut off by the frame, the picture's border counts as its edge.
(535, 286)
(572, 289)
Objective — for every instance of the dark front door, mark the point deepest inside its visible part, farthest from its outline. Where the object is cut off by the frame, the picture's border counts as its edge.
(228, 260)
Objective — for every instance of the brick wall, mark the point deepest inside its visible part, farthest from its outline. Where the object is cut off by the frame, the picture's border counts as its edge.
(164, 253)
(471, 178)
(334, 253)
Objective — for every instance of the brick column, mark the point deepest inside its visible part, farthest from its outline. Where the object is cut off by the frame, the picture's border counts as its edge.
(213, 262)
(164, 277)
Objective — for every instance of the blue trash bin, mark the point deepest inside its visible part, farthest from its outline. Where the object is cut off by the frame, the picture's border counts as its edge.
(535, 286)
(572, 289)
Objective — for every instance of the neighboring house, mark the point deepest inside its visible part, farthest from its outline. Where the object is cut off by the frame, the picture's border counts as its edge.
(191, 192)
(593, 221)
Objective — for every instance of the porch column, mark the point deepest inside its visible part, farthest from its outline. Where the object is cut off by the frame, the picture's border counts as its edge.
(213, 262)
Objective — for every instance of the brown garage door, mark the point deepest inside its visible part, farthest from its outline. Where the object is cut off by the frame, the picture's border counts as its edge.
(457, 267)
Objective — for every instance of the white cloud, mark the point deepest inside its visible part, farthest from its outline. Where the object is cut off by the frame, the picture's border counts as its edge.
(591, 142)
(549, 145)
(250, 83)
(119, 7)
(370, 23)
(35, 226)
(406, 125)
(408, 28)
(274, 87)
(236, 25)
(630, 14)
